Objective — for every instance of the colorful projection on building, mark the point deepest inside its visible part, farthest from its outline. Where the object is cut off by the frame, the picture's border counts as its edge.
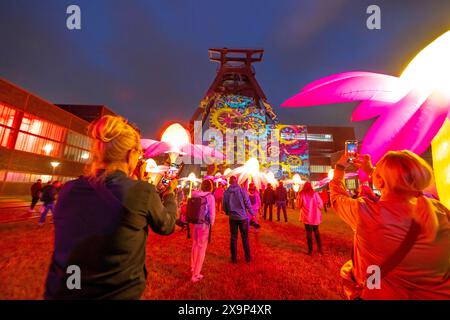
(235, 112)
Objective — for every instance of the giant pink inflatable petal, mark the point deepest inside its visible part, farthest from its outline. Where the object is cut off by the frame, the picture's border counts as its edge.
(370, 109)
(381, 134)
(340, 89)
(416, 135)
(153, 148)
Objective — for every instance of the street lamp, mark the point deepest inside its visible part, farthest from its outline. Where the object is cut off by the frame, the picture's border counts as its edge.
(54, 164)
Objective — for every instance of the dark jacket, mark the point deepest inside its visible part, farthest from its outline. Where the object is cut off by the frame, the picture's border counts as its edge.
(104, 232)
(280, 194)
(36, 189)
(236, 203)
(48, 194)
(269, 196)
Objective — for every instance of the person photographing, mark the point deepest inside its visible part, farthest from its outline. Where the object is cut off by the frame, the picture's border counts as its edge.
(405, 234)
(102, 219)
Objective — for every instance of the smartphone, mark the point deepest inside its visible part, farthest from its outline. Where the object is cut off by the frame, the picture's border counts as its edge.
(351, 149)
(173, 173)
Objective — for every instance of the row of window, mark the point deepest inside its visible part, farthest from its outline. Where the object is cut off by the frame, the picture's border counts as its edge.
(41, 137)
(322, 137)
(319, 168)
(23, 177)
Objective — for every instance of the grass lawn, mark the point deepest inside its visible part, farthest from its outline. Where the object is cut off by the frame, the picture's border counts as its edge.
(280, 268)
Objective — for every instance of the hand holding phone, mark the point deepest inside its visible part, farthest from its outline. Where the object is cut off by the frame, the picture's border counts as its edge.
(351, 150)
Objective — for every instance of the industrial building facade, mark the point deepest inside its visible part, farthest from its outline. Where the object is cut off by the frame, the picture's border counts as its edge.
(39, 140)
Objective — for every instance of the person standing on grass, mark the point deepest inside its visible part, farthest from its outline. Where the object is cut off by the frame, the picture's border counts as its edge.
(202, 232)
(102, 220)
(236, 204)
(291, 197)
(324, 196)
(310, 204)
(36, 190)
(218, 195)
(255, 201)
(281, 200)
(48, 198)
(268, 201)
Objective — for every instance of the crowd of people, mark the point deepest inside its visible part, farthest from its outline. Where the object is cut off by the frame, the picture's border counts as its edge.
(102, 221)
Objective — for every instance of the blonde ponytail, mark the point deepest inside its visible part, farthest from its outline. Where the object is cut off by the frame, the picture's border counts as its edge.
(113, 138)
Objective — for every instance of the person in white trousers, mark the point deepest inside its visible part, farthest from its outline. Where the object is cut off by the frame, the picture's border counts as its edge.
(200, 235)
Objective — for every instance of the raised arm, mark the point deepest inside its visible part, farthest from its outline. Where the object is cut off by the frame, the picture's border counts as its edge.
(346, 207)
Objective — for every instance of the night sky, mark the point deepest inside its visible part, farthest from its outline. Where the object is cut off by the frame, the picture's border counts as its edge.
(147, 60)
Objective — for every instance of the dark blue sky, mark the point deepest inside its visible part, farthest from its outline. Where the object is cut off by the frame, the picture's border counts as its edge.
(147, 60)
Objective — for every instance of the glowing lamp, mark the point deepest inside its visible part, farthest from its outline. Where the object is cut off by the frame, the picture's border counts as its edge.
(227, 172)
(191, 178)
(85, 155)
(47, 148)
(296, 179)
(176, 137)
(54, 164)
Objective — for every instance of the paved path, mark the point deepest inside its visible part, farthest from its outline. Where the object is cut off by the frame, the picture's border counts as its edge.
(15, 208)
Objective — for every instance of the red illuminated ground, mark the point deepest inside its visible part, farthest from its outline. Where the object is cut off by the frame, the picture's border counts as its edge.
(280, 269)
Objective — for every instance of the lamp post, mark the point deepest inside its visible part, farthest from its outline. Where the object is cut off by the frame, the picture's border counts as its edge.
(54, 165)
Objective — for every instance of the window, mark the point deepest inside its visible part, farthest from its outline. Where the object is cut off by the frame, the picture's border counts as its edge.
(319, 168)
(78, 140)
(38, 127)
(320, 137)
(77, 148)
(76, 154)
(23, 177)
(39, 136)
(31, 143)
(6, 122)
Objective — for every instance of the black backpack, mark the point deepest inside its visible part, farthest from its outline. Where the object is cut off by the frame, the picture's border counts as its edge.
(197, 210)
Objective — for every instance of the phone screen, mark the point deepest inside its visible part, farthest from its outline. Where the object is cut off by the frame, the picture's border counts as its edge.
(351, 148)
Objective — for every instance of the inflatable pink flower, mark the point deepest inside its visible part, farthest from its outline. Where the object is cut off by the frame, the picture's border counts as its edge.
(413, 110)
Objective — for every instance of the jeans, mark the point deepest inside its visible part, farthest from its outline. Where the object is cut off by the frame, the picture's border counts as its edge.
(309, 231)
(47, 208)
(281, 205)
(242, 227)
(270, 206)
(34, 201)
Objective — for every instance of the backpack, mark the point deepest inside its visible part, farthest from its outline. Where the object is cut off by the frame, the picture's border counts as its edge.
(197, 210)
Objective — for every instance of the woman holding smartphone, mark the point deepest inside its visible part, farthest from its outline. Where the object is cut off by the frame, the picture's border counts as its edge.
(102, 220)
(405, 235)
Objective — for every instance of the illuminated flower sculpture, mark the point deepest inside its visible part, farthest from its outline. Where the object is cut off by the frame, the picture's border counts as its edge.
(249, 172)
(413, 110)
(176, 141)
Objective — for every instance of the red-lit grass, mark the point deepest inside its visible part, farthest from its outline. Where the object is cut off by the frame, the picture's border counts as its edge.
(280, 267)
